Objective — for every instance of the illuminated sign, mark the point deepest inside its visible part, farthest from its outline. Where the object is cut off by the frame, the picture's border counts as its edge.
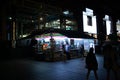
(108, 24)
(89, 22)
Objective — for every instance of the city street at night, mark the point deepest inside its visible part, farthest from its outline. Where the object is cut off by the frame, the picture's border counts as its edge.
(28, 69)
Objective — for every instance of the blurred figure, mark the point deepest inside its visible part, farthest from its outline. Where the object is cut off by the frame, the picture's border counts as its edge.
(91, 63)
(63, 55)
(67, 51)
(82, 50)
(110, 60)
(32, 47)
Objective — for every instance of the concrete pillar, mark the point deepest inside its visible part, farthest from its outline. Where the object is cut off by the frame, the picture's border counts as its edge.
(78, 14)
(113, 24)
(21, 32)
(3, 22)
(100, 28)
(61, 21)
(114, 28)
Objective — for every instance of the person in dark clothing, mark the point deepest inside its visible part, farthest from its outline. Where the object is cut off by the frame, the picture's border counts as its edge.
(110, 61)
(91, 63)
(63, 55)
(82, 50)
(67, 51)
(32, 45)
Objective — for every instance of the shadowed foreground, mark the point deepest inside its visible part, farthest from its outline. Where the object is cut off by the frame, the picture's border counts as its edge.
(28, 69)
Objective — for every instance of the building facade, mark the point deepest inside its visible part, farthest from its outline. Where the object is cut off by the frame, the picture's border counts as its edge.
(20, 19)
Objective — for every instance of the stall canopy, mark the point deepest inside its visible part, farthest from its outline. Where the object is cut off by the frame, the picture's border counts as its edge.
(50, 35)
(67, 33)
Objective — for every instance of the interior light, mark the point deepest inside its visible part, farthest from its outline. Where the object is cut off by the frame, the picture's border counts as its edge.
(10, 18)
(106, 17)
(32, 20)
(41, 18)
(58, 20)
(66, 12)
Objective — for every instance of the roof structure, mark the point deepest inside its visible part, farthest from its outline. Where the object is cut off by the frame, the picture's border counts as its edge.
(67, 33)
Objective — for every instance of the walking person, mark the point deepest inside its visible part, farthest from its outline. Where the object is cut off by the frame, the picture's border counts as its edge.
(32, 47)
(91, 63)
(110, 61)
(67, 51)
(82, 50)
(63, 55)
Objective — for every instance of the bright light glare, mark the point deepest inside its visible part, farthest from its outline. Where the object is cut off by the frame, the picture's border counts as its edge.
(108, 24)
(54, 37)
(108, 27)
(89, 12)
(10, 18)
(66, 12)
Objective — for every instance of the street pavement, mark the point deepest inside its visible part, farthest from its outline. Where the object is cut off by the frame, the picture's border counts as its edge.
(29, 69)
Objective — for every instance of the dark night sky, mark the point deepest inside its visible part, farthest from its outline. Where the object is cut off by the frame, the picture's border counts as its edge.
(107, 6)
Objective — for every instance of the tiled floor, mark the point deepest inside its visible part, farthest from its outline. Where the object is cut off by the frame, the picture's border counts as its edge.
(26, 69)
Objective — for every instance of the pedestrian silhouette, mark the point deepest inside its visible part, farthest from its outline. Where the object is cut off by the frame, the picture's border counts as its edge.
(110, 61)
(91, 63)
(82, 50)
(63, 54)
(67, 51)
(32, 47)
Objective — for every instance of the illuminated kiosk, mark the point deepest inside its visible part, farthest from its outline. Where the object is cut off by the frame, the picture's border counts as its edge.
(50, 45)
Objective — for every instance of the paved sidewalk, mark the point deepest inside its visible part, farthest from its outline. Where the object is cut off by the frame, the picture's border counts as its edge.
(25, 69)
